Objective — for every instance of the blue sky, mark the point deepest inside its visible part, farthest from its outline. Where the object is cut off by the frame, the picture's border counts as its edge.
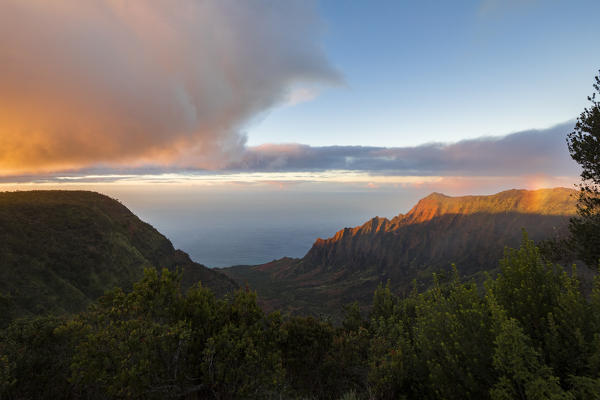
(423, 71)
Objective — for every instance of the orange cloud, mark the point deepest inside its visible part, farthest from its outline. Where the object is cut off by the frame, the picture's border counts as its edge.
(114, 82)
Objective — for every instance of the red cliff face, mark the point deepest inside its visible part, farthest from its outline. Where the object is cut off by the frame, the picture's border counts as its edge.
(559, 201)
(443, 225)
(550, 202)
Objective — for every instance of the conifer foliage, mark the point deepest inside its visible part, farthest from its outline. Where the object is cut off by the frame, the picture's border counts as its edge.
(584, 146)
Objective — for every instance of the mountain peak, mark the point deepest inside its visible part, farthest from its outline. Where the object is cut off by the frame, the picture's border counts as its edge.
(436, 195)
(559, 202)
(556, 201)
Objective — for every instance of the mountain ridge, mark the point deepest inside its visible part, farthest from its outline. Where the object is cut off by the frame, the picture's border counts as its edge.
(470, 231)
(437, 204)
(60, 250)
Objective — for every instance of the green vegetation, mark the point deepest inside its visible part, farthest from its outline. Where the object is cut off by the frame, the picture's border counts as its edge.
(61, 250)
(584, 146)
(530, 333)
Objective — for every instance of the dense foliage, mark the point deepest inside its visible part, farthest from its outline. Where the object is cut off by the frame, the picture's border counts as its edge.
(61, 250)
(584, 146)
(530, 333)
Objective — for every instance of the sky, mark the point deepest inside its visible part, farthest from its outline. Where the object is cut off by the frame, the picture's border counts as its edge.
(429, 71)
(221, 119)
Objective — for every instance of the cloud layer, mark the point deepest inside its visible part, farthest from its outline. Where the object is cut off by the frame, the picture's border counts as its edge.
(522, 153)
(538, 155)
(116, 82)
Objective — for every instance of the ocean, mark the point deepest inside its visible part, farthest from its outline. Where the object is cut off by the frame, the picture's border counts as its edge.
(221, 228)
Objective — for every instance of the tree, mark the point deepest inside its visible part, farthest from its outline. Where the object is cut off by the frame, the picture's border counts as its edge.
(453, 337)
(306, 349)
(523, 374)
(584, 146)
(156, 342)
(35, 354)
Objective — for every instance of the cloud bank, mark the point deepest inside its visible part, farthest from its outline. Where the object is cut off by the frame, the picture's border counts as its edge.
(532, 154)
(522, 153)
(116, 82)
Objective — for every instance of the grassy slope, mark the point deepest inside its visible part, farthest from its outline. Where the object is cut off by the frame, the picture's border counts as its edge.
(60, 250)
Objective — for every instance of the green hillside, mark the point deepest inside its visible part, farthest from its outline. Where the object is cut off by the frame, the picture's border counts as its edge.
(60, 250)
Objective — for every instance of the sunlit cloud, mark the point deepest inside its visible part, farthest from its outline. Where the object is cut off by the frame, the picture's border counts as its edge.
(113, 82)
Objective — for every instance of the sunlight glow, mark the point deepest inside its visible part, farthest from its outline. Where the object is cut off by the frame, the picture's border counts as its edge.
(338, 176)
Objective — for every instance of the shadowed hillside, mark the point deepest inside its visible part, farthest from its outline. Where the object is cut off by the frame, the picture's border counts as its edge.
(59, 250)
(470, 231)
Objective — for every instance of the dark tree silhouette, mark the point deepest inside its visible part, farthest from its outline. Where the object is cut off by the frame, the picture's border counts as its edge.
(584, 146)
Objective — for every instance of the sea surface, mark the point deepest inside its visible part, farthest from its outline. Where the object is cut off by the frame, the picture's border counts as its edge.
(227, 228)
